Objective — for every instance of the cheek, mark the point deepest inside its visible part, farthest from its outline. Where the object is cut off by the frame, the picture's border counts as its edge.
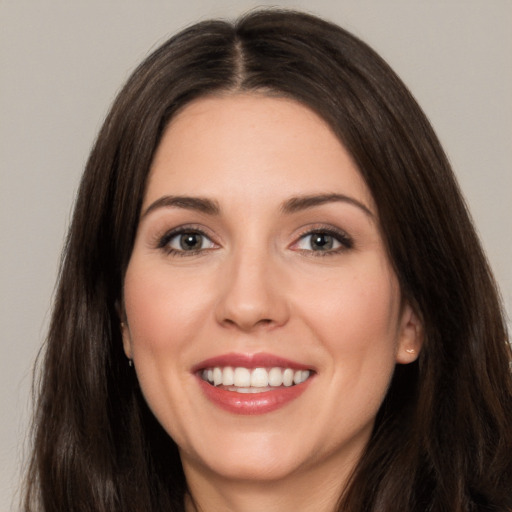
(162, 310)
(163, 313)
(357, 316)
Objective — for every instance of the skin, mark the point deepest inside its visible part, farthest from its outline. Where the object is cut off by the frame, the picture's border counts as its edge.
(259, 285)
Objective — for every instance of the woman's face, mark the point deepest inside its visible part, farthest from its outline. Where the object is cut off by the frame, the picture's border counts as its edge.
(262, 313)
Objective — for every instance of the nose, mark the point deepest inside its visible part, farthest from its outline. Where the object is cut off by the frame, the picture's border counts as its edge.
(252, 295)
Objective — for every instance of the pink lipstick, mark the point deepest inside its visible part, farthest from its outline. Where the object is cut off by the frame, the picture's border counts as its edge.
(252, 383)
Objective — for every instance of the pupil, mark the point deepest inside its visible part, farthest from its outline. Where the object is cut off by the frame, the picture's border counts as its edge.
(322, 241)
(190, 241)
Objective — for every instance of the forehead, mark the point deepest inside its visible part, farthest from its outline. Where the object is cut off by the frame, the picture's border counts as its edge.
(224, 145)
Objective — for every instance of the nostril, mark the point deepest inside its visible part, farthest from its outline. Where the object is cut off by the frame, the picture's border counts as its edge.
(249, 325)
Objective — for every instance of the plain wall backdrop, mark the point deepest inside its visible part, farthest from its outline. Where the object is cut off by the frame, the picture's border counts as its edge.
(62, 62)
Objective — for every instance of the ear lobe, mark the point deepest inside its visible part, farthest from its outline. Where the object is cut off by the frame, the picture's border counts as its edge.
(410, 340)
(127, 340)
(125, 331)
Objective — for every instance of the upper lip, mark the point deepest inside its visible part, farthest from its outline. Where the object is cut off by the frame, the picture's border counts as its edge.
(259, 360)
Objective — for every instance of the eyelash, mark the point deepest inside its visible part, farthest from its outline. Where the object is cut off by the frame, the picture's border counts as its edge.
(345, 241)
(338, 235)
(164, 241)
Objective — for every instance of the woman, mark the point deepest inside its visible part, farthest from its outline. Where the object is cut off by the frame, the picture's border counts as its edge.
(272, 295)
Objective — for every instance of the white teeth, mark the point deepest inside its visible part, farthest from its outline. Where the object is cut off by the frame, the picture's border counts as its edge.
(228, 376)
(300, 376)
(217, 376)
(259, 378)
(246, 390)
(244, 380)
(288, 377)
(275, 377)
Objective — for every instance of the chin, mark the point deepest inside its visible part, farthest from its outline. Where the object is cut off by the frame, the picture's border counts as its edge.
(238, 463)
(267, 470)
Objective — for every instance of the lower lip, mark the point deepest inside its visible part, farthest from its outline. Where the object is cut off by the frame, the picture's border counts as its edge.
(252, 403)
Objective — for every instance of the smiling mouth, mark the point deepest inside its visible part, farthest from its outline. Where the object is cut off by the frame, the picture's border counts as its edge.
(255, 380)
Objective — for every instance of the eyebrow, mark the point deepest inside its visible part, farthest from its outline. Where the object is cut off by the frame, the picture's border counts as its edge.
(300, 203)
(292, 205)
(200, 204)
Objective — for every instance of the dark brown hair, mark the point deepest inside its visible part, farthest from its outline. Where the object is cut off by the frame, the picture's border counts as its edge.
(443, 436)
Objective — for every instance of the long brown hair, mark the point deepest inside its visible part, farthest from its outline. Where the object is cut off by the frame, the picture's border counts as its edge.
(443, 436)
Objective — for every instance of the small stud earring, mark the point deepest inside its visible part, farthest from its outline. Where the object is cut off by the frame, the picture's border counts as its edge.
(130, 363)
(410, 350)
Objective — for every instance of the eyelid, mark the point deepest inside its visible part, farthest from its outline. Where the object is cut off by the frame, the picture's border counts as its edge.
(345, 240)
(162, 240)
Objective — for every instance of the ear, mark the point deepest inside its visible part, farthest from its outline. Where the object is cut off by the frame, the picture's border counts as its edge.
(410, 339)
(125, 330)
(127, 340)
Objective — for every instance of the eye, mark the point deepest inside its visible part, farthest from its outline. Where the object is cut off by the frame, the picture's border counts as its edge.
(323, 241)
(186, 241)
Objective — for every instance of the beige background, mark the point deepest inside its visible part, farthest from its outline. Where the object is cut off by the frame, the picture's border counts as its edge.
(62, 62)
